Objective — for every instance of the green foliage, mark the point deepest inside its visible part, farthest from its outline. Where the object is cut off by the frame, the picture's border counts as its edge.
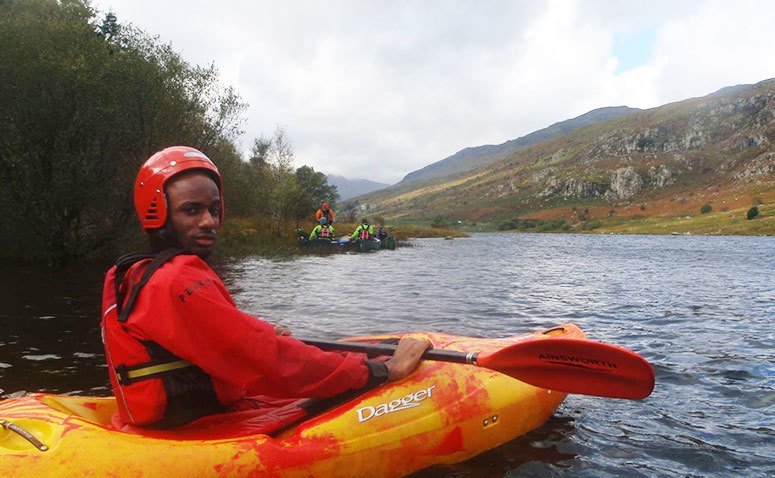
(539, 225)
(757, 201)
(553, 225)
(439, 221)
(509, 225)
(527, 224)
(85, 101)
(109, 28)
(752, 213)
(590, 225)
(288, 200)
(83, 107)
(316, 187)
(706, 208)
(257, 234)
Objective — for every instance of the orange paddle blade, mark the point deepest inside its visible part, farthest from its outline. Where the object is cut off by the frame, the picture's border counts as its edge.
(575, 366)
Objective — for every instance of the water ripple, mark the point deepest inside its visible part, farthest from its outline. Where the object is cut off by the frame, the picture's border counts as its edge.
(701, 309)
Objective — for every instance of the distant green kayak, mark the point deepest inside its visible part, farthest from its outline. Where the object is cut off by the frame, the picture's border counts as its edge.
(365, 245)
(320, 244)
(389, 243)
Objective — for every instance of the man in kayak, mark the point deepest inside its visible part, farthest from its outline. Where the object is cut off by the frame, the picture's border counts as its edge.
(364, 231)
(382, 233)
(325, 211)
(178, 349)
(322, 230)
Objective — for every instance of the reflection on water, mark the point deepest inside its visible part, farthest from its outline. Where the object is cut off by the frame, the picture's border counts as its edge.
(701, 309)
(50, 330)
(530, 453)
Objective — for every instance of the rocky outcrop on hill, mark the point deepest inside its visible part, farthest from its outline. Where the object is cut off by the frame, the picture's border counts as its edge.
(661, 176)
(625, 183)
(573, 187)
(730, 123)
(759, 168)
(653, 148)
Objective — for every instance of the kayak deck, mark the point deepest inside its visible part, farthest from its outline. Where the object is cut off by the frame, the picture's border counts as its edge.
(442, 413)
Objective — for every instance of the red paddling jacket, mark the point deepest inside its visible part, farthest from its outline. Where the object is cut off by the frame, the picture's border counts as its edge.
(178, 348)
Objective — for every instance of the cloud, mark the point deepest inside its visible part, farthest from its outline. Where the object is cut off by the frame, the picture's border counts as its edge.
(721, 44)
(376, 90)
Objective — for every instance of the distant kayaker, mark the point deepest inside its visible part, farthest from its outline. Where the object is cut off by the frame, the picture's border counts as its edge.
(325, 211)
(322, 230)
(364, 231)
(382, 233)
(178, 349)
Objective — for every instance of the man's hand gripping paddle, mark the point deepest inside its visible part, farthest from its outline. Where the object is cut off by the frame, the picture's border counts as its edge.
(566, 365)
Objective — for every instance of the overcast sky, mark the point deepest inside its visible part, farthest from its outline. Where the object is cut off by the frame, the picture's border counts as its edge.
(378, 89)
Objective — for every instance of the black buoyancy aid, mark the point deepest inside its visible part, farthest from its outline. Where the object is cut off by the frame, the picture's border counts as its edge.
(189, 392)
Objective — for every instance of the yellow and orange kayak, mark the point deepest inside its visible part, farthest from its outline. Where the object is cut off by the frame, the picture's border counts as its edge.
(442, 413)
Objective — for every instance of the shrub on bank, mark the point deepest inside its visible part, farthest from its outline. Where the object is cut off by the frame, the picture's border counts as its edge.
(539, 225)
(255, 235)
(508, 225)
(589, 225)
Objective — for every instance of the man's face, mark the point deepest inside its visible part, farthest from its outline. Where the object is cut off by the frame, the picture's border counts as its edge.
(194, 211)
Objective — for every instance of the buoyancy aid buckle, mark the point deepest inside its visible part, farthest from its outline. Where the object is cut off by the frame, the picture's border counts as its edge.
(146, 371)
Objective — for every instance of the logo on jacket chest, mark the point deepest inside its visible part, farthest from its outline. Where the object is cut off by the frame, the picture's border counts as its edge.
(193, 287)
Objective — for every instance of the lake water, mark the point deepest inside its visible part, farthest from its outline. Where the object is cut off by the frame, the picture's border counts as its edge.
(700, 309)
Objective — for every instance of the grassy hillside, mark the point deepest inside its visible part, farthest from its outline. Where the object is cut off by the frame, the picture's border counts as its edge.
(732, 222)
(652, 166)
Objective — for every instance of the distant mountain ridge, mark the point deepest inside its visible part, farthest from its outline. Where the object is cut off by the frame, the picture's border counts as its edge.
(350, 188)
(472, 158)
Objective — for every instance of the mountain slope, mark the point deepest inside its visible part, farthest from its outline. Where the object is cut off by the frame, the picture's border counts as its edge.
(472, 158)
(717, 149)
(350, 188)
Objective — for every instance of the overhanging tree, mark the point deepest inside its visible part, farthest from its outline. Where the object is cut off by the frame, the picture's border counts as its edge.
(83, 106)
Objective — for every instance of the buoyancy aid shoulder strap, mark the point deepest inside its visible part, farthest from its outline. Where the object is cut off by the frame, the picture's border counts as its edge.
(122, 266)
(159, 260)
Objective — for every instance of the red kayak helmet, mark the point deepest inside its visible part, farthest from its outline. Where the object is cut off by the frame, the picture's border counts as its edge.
(324, 206)
(150, 200)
